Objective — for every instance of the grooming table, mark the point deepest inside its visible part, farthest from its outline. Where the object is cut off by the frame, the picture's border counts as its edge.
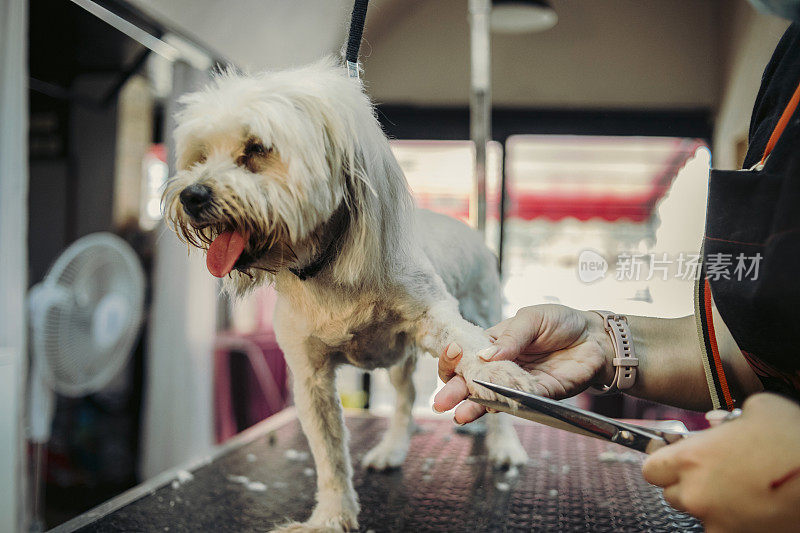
(265, 476)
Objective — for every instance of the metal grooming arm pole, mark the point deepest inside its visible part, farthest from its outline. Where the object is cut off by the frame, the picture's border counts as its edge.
(480, 103)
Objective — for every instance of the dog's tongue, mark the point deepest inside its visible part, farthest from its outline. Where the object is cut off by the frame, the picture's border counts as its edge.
(224, 252)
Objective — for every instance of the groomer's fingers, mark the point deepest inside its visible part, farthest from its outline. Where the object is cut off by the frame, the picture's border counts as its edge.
(663, 467)
(499, 328)
(717, 417)
(467, 412)
(453, 392)
(517, 334)
(673, 495)
(448, 361)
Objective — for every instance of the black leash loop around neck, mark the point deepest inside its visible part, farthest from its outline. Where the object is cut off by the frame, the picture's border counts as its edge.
(354, 39)
(333, 231)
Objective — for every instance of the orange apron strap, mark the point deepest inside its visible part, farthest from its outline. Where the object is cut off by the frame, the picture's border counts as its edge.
(781, 125)
(721, 397)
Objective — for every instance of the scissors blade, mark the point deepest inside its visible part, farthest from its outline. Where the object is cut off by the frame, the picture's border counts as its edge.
(594, 425)
(529, 414)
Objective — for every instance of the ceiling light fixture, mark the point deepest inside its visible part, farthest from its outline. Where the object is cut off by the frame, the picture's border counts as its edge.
(522, 16)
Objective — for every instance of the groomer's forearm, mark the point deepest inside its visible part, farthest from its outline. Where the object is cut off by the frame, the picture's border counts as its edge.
(671, 363)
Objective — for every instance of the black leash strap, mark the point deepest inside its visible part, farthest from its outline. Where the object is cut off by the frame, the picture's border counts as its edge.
(354, 40)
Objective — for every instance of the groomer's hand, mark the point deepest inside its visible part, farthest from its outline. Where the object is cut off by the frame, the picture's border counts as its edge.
(566, 349)
(742, 475)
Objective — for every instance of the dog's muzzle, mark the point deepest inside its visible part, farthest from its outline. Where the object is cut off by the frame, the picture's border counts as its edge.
(195, 198)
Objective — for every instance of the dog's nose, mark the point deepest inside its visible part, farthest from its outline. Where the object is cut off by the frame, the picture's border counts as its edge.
(194, 198)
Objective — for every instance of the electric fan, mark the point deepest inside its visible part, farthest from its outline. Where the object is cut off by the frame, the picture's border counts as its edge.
(84, 317)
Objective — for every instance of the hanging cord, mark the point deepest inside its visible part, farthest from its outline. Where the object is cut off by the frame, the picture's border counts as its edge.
(354, 40)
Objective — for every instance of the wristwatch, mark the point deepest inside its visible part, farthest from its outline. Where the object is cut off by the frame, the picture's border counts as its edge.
(625, 361)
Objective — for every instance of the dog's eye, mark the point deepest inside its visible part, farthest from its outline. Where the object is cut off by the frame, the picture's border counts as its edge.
(256, 148)
(254, 156)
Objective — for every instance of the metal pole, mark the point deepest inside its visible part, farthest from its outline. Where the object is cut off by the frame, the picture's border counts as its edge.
(480, 103)
(139, 35)
(37, 499)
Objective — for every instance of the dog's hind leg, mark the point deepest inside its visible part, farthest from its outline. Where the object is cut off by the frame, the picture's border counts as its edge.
(393, 447)
(320, 414)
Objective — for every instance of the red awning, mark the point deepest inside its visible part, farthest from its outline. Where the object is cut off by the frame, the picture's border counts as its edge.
(585, 177)
(550, 176)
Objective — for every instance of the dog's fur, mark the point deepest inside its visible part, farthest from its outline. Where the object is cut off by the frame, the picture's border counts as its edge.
(403, 281)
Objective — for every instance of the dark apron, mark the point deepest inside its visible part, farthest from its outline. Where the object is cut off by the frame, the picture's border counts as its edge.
(753, 222)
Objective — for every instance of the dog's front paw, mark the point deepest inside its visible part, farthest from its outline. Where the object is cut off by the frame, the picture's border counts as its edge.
(505, 449)
(338, 523)
(505, 373)
(388, 454)
(335, 513)
(335, 526)
(296, 527)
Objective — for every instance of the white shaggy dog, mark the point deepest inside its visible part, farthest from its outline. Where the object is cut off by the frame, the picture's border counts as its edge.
(287, 177)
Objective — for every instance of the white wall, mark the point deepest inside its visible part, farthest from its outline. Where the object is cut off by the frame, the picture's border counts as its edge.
(13, 258)
(747, 44)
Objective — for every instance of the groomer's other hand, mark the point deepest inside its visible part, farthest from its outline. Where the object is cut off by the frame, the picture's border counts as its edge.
(742, 475)
(566, 349)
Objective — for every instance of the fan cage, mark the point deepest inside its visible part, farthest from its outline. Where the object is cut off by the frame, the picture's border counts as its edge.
(92, 268)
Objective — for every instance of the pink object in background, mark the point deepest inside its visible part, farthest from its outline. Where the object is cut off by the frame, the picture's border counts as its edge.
(268, 373)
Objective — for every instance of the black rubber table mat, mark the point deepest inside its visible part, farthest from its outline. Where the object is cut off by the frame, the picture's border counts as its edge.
(571, 483)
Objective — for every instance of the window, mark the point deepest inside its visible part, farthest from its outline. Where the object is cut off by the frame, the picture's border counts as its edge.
(591, 222)
(636, 204)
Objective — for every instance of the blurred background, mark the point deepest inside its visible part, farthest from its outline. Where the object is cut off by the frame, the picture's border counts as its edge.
(603, 128)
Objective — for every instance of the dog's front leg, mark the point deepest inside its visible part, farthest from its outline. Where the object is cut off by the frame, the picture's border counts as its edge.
(320, 414)
(442, 325)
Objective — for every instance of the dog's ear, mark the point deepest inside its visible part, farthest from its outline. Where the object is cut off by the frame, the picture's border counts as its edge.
(351, 184)
(370, 181)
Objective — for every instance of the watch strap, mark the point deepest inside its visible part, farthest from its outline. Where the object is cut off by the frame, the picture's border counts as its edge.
(625, 361)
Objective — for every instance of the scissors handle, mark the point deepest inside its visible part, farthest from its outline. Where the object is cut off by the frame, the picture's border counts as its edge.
(567, 417)
(671, 436)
